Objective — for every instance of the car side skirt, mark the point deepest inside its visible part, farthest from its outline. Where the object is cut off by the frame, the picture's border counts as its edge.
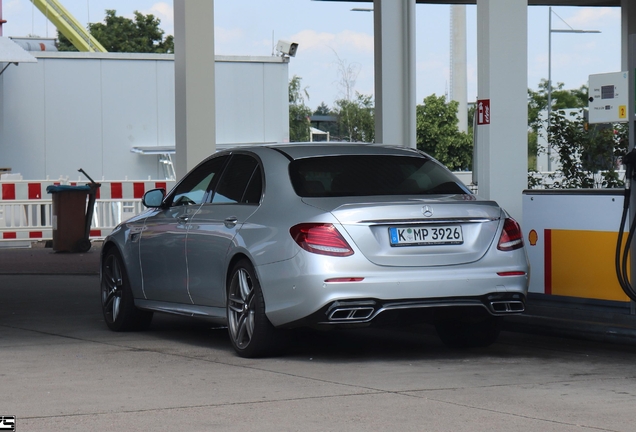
(215, 313)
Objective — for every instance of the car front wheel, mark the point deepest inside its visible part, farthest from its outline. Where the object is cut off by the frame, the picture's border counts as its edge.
(118, 304)
(251, 333)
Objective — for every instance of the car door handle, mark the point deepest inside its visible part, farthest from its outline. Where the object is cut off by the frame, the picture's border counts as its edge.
(230, 222)
(184, 218)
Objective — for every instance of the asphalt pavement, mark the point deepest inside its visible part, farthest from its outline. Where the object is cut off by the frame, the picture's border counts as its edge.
(42, 260)
(62, 369)
(545, 315)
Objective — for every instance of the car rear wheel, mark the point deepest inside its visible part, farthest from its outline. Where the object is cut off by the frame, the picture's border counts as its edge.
(118, 304)
(469, 333)
(251, 333)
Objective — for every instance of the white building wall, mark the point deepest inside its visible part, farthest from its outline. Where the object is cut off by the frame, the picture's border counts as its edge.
(81, 110)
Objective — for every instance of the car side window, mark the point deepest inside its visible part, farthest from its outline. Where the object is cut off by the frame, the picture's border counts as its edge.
(241, 182)
(193, 188)
(254, 189)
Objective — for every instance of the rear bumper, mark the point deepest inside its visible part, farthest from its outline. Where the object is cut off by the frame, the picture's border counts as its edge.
(299, 292)
(364, 311)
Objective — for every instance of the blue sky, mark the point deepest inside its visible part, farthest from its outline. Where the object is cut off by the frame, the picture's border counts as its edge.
(328, 31)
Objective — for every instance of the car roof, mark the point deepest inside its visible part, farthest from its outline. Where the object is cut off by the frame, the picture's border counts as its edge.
(312, 149)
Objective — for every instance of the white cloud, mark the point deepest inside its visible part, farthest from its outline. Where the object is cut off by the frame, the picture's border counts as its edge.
(347, 40)
(163, 10)
(165, 13)
(590, 18)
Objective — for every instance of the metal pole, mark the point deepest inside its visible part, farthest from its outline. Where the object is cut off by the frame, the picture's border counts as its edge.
(549, 87)
(631, 108)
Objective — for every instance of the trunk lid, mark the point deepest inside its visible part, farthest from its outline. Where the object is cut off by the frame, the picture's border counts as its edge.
(422, 232)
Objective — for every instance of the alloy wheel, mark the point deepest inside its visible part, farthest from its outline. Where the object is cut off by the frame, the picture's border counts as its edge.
(112, 283)
(241, 308)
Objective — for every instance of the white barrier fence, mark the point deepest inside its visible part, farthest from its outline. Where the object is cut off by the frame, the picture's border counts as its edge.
(26, 207)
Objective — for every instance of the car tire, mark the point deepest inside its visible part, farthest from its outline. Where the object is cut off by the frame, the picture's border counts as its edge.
(118, 304)
(251, 332)
(469, 333)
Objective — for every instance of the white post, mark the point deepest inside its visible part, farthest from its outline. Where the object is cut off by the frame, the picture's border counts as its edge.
(459, 82)
(394, 27)
(628, 27)
(502, 79)
(195, 118)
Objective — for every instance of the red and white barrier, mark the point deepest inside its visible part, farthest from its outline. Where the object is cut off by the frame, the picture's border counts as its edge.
(127, 190)
(24, 190)
(25, 207)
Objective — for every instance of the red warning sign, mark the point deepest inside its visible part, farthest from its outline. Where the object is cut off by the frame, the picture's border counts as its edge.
(483, 112)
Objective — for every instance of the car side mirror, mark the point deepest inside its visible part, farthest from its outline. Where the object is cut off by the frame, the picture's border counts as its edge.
(154, 198)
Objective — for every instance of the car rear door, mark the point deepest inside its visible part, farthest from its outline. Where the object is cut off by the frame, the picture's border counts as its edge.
(213, 230)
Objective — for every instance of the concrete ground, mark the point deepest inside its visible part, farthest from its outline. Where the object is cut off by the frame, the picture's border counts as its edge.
(61, 368)
(39, 259)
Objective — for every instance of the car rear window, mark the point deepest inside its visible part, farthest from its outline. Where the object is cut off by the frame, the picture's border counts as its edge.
(363, 175)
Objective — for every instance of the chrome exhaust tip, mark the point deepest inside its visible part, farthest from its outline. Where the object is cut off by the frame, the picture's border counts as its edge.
(351, 313)
(507, 307)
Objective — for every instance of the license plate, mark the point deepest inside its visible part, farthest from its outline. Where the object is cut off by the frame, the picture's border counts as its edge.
(423, 236)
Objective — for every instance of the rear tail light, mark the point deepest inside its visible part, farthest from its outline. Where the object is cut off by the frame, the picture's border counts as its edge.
(511, 237)
(320, 238)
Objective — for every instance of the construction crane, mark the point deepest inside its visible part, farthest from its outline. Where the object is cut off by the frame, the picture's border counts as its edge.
(68, 25)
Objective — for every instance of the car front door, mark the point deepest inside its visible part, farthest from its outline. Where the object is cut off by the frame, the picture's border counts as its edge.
(163, 240)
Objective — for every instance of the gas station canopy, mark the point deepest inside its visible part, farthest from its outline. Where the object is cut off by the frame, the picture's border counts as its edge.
(605, 3)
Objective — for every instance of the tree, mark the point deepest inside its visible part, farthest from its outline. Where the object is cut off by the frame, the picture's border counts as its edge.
(355, 111)
(538, 102)
(298, 112)
(589, 154)
(561, 99)
(356, 118)
(322, 109)
(439, 135)
(120, 34)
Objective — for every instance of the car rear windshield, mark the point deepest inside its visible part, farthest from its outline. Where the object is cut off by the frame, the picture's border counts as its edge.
(363, 175)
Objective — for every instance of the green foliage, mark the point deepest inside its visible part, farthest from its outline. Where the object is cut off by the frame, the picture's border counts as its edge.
(298, 112)
(538, 102)
(356, 119)
(589, 155)
(120, 34)
(322, 109)
(561, 99)
(533, 149)
(439, 135)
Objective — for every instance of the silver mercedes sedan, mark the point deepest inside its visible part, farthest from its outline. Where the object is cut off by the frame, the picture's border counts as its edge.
(274, 237)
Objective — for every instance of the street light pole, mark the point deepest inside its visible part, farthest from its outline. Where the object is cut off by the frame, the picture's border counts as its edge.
(549, 87)
(550, 31)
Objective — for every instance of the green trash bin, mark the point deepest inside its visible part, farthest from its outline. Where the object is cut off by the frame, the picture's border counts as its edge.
(71, 216)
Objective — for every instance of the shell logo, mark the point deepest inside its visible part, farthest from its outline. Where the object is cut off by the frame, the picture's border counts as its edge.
(533, 237)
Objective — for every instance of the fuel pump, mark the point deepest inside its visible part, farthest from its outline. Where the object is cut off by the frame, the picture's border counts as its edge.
(622, 253)
(623, 256)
